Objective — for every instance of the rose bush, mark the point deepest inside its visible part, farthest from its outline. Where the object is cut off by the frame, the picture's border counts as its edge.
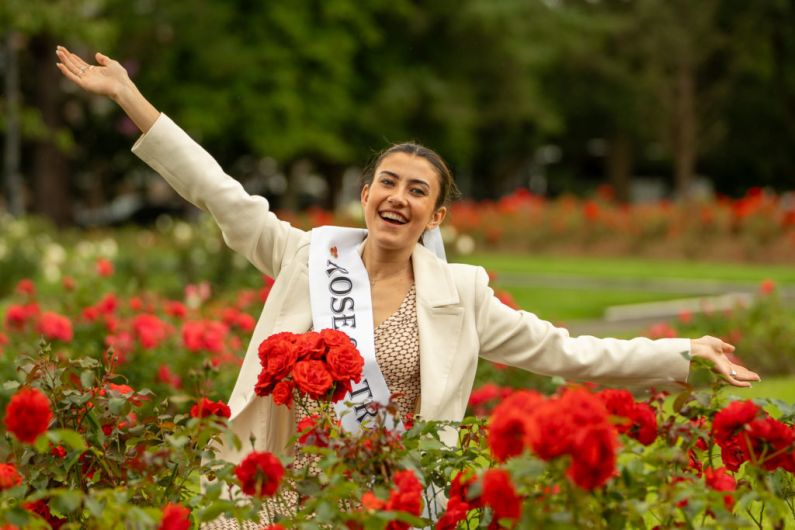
(115, 426)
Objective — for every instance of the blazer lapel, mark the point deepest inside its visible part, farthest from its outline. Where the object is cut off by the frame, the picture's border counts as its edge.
(440, 316)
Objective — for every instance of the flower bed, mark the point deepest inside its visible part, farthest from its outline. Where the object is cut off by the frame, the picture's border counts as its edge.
(111, 423)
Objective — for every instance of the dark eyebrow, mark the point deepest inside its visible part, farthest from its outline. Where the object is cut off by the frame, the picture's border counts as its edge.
(411, 181)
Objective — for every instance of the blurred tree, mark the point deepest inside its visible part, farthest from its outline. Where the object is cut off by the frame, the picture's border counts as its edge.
(34, 27)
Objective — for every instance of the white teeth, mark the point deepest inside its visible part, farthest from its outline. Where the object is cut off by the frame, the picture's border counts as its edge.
(392, 216)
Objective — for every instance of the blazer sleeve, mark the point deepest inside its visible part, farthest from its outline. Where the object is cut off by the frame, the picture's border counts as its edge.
(521, 339)
(247, 224)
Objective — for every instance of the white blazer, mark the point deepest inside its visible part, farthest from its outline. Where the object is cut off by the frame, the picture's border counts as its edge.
(458, 316)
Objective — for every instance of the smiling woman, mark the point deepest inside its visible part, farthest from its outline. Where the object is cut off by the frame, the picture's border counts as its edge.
(442, 316)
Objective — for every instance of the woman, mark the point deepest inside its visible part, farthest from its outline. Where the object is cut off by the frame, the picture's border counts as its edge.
(454, 314)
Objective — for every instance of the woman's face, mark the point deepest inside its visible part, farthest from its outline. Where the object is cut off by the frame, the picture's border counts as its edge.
(400, 203)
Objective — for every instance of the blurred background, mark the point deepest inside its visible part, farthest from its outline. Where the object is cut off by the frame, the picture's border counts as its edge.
(654, 98)
(627, 165)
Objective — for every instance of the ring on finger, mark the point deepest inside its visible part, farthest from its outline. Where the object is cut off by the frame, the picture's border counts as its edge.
(83, 70)
(733, 373)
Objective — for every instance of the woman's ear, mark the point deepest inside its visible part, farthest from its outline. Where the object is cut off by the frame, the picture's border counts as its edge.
(365, 194)
(436, 218)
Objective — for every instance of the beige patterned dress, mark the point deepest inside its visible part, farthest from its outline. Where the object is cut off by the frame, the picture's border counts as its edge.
(397, 350)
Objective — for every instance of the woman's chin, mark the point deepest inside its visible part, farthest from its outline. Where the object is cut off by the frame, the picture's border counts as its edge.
(391, 242)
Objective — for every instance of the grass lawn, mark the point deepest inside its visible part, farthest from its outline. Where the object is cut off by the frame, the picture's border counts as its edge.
(631, 268)
(562, 305)
(546, 293)
(782, 388)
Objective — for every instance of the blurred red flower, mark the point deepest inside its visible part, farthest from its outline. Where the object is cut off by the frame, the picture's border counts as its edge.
(28, 415)
(9, 476)
(500, 495)
(205, 408)
(104, 267)
(405, 497)
(260, 474)
(150, 330)
(175, 517)
(55, 327)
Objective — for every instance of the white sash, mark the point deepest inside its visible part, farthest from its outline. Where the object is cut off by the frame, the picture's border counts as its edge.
(339, 292)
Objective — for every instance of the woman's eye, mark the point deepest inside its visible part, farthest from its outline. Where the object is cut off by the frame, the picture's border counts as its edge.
(386, 182)
(418, 191)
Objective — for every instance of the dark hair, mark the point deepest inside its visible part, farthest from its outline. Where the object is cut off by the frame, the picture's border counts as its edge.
(448, 191)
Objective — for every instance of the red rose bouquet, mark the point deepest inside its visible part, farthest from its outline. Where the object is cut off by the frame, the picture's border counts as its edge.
(321, 365)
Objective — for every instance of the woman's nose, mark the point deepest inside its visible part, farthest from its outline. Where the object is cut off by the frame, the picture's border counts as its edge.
(397, 199)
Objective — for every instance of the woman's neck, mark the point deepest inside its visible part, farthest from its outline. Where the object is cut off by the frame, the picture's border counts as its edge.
(383, 264)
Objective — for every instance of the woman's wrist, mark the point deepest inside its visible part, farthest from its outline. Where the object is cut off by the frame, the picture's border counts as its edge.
(135, 105)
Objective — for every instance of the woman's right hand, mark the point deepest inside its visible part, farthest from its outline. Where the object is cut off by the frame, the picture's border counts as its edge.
(106, 78)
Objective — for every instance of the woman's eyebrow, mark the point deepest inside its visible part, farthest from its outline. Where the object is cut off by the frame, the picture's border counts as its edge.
(411, 181)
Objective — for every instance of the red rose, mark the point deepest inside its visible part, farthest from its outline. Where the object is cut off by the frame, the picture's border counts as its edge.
(371, 502)
(510, 424)
(9, 476)
(17, 316)
(345, 363)
(507, 433)
(732, 454)
(719, 479)
(260, 474)
(104, 267)
(311, 433)
(593, 455)
(42, 509)
(55, 327)
(643, 423)
(205, 408)
(150, 330)
(459, 488)
(278, 354)
(334, 338)
(26, 286)
(28, 414)
(552, 432)
(732, 420)
(455, 512)
(275, 526)
(771, 438)
(311, 346)
(312, 378)
(175, 517)
(405, 497)
(283, 393)
(500, 495)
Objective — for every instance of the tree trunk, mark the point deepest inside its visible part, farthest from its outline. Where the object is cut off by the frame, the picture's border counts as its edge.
(619, 165)
(684, 129)
(52, 196)
(12, 179)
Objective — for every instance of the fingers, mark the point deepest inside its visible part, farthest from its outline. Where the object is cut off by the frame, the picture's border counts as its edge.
(69, 62)
(104, 60)
(68, 73)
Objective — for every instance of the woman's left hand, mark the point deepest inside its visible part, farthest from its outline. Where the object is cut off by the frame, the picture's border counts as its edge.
(714, 350)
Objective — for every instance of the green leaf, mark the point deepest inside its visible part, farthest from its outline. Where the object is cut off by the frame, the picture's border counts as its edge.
(87, 378)
(11, 386)
(69, 437)
(42, 443)
(66, 501)
(116, 405)
(681, 401)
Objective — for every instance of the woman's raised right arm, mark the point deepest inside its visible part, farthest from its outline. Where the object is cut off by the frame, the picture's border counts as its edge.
(109, 78)
(246, 222)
